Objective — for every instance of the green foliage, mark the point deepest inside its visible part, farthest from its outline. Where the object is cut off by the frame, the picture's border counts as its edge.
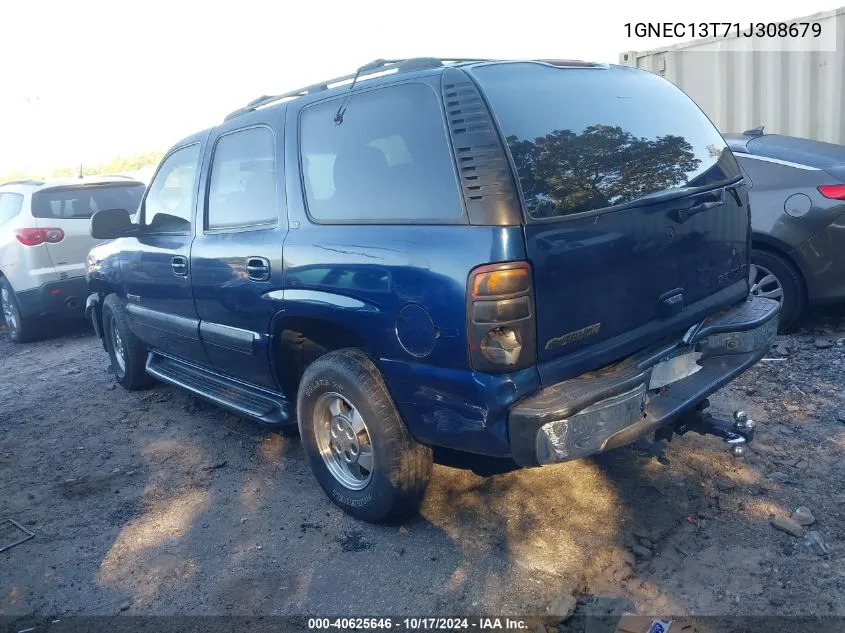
(564, 172)
(116, 165)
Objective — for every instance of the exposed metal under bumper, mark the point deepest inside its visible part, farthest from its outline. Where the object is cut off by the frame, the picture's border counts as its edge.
(602, 410)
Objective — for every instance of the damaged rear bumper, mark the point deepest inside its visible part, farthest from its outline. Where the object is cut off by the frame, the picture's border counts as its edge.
(616, 405)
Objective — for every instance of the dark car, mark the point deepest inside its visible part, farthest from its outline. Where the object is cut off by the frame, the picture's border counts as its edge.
(443, 254)
(797, 194)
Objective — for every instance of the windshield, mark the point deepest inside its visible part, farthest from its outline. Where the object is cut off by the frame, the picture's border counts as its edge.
(82, 201)
(585, 139)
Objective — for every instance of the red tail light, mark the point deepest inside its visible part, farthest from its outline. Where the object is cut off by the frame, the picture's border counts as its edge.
(834, 192)
(34, 237)
(500, 317)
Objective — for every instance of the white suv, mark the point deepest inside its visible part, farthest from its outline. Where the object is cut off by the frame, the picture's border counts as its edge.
(44, 242)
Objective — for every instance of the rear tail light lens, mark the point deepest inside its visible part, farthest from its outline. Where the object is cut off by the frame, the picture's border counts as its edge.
(34, 237)
(834, 192)
(500, 317)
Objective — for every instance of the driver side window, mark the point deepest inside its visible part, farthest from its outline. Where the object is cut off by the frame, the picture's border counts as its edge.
(169, 205)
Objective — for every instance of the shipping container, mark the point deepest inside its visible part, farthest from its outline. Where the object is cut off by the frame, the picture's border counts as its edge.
(740, 85)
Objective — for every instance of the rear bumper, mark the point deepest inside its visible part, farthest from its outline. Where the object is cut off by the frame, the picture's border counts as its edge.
(614, 406)
(64, 298)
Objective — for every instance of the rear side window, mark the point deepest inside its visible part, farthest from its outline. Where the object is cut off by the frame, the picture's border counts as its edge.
(10, 206)
(80, 202)
(243, 180)
(388, 162)
(169, 205)
(591, 138)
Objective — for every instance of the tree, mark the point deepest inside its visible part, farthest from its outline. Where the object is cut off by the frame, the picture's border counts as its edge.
(564, 172)
(116, 165)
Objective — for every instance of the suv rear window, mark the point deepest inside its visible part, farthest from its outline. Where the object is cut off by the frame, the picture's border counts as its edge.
(584, 139)
(82, 201)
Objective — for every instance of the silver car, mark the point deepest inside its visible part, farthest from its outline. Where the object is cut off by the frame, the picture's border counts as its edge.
(44, 241)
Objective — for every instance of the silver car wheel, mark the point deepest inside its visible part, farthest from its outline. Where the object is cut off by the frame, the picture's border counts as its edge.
(343, 441)
(9, 313)
(117, 346)
(764, 283)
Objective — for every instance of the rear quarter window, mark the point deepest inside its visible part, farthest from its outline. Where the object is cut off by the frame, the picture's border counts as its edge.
(10, 205)
(585, 139)
(388, 162)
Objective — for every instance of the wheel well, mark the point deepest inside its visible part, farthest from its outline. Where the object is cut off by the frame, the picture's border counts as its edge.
(299, 341)
(779, 252)
(104, 290)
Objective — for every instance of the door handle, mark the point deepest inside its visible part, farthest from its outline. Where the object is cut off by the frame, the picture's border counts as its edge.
(179, 263)
(258, 268)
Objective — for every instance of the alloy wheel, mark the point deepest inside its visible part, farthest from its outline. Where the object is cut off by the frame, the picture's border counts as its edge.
(119, 350)
(9, 313)
(343, 441)
(764, 283)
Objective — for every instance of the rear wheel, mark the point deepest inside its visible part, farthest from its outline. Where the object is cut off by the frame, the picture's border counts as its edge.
(128, 355)
(357, 445)
(773, 277)
(20, 330)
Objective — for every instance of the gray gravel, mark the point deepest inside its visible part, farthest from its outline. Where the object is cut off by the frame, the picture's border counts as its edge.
(155, 503)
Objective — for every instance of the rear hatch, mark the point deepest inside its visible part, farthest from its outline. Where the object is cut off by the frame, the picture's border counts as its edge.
(69, 208)
(636, 215)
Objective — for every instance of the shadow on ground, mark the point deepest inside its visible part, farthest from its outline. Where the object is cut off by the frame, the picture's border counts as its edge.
(154, 503)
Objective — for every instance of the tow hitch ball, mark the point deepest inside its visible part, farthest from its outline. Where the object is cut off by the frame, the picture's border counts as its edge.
(737, 433)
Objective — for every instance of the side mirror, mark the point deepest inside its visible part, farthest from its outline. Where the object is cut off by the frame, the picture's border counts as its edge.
(111, 223)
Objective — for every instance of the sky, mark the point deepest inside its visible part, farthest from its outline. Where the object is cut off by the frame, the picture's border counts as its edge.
(88, 80)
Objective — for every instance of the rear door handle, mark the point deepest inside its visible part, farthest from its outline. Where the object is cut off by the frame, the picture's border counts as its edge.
(179, 263)
(258, 268)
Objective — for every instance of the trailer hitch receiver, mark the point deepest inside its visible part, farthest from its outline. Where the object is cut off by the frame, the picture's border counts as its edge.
(737, 433)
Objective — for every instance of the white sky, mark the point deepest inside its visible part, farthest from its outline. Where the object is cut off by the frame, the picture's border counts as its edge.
(86, 80)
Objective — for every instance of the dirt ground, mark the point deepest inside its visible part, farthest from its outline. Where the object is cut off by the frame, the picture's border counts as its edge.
(156, 503)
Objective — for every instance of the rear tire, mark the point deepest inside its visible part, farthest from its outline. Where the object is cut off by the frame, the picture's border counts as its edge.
(357, 445)
(128, 355)
(20, 330)
(764, 265)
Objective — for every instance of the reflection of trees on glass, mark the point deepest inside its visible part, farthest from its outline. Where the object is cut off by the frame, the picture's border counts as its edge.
(564, 172)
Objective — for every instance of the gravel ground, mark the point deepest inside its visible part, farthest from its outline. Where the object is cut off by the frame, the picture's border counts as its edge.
(156, 503)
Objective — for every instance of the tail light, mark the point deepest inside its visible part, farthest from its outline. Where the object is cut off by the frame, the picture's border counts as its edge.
(834, 192)
(500, 317)
(34, 237)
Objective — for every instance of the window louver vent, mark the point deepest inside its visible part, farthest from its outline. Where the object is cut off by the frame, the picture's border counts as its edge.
(486, 181)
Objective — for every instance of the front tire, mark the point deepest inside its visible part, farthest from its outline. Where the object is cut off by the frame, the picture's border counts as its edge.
(774, 277)
(20, 330)
(357, 445)
(128, 355)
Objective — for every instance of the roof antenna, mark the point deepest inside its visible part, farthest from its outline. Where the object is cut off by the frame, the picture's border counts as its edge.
(80, 170)
(338, 118)
(757, 131)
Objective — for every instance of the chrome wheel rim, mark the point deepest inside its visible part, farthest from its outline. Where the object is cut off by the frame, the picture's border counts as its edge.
(9, 315)
(117, 346)
(343, 441)
(764, 283)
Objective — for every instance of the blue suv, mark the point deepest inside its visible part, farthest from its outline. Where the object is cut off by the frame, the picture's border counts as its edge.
(537, 260)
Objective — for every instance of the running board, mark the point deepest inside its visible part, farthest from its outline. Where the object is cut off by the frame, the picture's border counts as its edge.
(241, 398)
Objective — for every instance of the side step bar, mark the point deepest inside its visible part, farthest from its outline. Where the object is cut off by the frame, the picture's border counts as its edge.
(241, 398)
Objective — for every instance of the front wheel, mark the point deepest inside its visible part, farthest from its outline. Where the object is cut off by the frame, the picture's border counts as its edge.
(357, 445)
(127, 353)
(773, 277)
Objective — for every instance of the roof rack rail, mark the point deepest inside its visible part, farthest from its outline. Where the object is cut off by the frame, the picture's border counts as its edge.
(374, 67)
(35, 183)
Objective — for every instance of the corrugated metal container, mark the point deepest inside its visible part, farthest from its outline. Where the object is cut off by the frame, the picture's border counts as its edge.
(794, 93)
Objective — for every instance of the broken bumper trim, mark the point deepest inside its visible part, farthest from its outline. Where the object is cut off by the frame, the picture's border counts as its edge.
(601, 410)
